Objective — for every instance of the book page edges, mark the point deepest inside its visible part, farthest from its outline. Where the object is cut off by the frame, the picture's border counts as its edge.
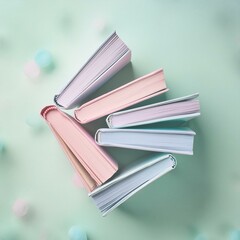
(86, 179)
(86, 63)
(112, 164)
(135, 191)
(180, 99)
(141, 186)
(78, 112)
(159, 71)
(142, 147)
(152, 149)
(121, 62)
(133, 170)
(102, 79)
(88, 182)
(185, 117)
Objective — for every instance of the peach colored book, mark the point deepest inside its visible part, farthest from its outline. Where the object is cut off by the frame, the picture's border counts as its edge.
(92, 163)
(129, 94)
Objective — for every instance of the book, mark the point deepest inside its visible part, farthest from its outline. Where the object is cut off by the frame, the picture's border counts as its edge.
(183, 108)
(143, 88)
(92, 163)
(130, 180)
(178, 140)
(109, 58)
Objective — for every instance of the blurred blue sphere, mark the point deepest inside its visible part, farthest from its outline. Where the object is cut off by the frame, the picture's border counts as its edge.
(76, 233)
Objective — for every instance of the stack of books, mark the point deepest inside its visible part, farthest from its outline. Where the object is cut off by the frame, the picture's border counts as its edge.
(108, 185)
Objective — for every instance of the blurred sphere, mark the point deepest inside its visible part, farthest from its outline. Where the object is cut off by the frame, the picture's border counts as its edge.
(76, 233)
(235, 235)
(34, 121)
(31, 69)
(100, 24)
(200, 237)
(20, 208)
(44, 60)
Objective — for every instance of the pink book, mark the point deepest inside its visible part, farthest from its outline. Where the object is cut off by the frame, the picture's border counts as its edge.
(92, 163)
(178, 109)
(129, 94)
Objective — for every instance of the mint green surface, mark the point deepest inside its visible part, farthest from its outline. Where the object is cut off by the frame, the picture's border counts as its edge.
(198, 45)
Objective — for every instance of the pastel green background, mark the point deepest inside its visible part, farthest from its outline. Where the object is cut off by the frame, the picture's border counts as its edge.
(198, 45)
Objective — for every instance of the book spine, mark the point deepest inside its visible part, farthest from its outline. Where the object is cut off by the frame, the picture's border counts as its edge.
(93, 159)
(122, 97)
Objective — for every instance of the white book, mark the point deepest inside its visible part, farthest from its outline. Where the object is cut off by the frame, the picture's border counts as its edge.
(130, 180)
(183, 108)
(110, 57)
(174, 140)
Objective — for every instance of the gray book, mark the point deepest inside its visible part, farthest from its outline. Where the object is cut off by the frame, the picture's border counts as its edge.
(110, 57)
(130, 180)
(169, 140)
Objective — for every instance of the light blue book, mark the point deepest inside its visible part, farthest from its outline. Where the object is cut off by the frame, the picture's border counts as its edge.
(183, 108)
(172, 140)
(130, 180)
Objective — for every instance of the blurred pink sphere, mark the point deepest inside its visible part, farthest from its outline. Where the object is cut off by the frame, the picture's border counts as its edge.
(31, 69)
(20, 208)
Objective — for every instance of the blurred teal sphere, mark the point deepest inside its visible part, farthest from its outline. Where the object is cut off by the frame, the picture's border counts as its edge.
(235, 235)
(76, 233)
(44, 59)
(200, 237)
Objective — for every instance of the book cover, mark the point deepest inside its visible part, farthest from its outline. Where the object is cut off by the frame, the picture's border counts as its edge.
(110, 57)
(130, 180)
(184, 108)
(92, 163)
(143, 88)
(178, 140)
